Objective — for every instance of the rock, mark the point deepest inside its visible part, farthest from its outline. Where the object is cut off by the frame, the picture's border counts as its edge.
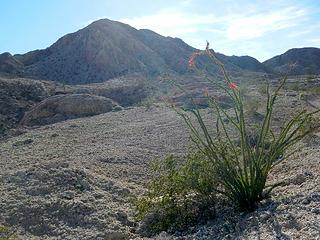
(316, 211)
(24, 142)
(116, 236)
(122, 217)
(9, 64)
(54, 135)
(298, 179)
(62, 107)
(126, 91)
(68, 195)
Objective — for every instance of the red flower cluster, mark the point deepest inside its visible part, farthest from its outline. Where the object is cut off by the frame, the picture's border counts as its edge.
(192, 59)
(233, 86)
(206, 92)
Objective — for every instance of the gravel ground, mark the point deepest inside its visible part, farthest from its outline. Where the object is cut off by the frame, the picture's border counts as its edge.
(76, 180)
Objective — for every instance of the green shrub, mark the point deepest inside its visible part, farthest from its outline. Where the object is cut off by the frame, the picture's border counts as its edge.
(180, 195)
(252, 106)
(295, 86)
(315, 90)
(6, 233)
(117, 108)
(262, 89)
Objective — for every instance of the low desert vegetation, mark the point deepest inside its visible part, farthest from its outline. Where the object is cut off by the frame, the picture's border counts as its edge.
(180, 195)
(232, 157)
(315, 90)
(6, 233)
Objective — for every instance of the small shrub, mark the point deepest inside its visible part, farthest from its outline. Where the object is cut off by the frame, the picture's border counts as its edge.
(6, 233)
(180, 195)
(117, 108)
(315, 90)
(262, 89)
(251, 107)
(295, 86)
(147, 102)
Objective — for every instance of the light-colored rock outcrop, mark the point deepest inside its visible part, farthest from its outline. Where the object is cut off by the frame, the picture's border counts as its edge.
(62, 107)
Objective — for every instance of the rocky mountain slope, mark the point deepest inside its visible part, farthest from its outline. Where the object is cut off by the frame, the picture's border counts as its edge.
(296, 61)
(9, 64)
(106, 49)
(16, 97)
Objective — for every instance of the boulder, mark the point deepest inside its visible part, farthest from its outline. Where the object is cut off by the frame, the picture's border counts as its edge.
(62, 107)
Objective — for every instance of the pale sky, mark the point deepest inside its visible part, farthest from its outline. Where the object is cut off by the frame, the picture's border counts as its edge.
(261, 29)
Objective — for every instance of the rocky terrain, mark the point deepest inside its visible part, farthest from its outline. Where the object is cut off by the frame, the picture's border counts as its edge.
(16, 97)
(20, 95)
(76, 179)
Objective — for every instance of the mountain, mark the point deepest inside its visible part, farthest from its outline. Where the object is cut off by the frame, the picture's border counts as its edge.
(246, 63)
(107, 49)
(296, 61)
(9, 64)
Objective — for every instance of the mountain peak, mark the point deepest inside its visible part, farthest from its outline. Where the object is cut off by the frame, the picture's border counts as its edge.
(107, 49)
(297, 61)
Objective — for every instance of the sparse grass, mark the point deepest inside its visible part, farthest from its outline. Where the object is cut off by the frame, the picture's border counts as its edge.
(315, 90)
(148, 102)
(295, 86)
(6, 233)
(252, 106)
(262, 89)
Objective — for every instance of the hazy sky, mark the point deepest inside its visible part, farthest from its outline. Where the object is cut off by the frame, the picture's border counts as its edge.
(261, 28)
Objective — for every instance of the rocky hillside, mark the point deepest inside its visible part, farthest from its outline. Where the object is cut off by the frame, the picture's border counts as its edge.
(17, 96)
(106, 49)
(246, 63)
(9, 64)
(299, 61)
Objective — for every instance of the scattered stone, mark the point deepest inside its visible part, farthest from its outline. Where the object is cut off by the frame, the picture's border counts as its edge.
(24, 142)
(298, 179)
(68, 195)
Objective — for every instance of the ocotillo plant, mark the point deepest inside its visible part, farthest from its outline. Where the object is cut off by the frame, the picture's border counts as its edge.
(242, 169)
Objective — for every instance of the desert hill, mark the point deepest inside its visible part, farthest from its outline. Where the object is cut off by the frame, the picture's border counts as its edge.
(296, 61)
(107, 49)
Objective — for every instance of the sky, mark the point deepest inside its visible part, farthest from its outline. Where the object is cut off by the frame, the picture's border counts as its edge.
(261, 28)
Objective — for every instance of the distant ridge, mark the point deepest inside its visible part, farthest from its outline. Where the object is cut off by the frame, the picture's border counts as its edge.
(107, 49)
(296, 61)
